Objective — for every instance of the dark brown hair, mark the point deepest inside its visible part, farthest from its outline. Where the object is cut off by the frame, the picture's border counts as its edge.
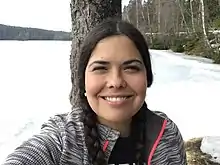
(105, 29)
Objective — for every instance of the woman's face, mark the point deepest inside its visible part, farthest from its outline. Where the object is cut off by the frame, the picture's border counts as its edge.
(115, 79)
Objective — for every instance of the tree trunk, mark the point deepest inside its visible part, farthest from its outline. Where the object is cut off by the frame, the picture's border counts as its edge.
(142, 13)
(159, 16)
(127, 15)
(203, 23)
(149, 24)
(182, 13)
(137, 15)
(85, 14)
(176, 20)
(192, 16)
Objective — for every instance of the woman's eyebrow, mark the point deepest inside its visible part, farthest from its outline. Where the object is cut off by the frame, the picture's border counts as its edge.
(101, 62)
(132, 61)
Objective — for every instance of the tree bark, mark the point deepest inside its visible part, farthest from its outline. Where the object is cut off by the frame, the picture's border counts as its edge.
(159, 16)
(137, 15)
(182, 13)
(203, 24)
(85, 14)
(192, 16)
(125, 14)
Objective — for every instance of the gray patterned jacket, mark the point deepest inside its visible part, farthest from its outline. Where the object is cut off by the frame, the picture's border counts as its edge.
(62, 142)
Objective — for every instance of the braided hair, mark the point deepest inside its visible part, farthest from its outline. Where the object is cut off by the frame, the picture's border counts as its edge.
(96, 154)
(105, 29)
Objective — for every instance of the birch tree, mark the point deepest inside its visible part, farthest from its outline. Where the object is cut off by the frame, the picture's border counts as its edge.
(137, 15)
(183, 16)
(192, 16)
(159, 16)
(203, 23)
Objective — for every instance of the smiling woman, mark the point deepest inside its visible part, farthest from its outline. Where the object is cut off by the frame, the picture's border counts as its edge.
(116, 82)
(113, 124)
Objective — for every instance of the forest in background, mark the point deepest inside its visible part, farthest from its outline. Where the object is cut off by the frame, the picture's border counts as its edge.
(24, 33)
(190, 26)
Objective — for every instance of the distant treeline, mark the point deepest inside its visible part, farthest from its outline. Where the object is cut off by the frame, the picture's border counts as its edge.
(23, 33)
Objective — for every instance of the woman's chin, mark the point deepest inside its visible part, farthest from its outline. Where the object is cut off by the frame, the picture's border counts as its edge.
(115, 118)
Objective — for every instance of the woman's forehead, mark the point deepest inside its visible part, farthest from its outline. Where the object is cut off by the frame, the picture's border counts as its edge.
(115, 48)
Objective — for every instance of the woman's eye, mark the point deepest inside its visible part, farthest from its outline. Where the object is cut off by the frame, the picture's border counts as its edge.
(99, 68)
(132, 68)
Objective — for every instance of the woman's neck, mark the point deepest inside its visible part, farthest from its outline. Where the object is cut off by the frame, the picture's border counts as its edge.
(123, 127)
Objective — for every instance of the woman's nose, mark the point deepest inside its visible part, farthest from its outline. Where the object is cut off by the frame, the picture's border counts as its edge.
(116, 80)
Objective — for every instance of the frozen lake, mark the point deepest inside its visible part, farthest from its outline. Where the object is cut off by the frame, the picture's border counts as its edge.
(35, 84)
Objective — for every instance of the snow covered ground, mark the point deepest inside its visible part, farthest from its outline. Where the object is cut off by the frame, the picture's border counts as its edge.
(35, 84)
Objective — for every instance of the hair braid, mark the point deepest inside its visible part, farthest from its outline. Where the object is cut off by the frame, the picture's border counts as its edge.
(97, 156)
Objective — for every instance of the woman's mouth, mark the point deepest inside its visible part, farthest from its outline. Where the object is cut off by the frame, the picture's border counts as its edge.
(116, 99)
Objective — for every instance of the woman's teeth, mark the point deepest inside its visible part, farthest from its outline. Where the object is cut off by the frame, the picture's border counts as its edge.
(114, 99)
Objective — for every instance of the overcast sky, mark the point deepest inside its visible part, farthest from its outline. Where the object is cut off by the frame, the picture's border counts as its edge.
(46, 14)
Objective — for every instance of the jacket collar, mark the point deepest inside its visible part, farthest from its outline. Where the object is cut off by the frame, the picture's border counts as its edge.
(153, 125)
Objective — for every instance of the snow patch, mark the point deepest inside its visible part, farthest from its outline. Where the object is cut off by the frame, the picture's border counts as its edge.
(211, 145)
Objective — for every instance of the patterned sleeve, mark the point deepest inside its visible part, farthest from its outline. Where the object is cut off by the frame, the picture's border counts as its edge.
(41, 149)
(170, 150)
(177, 153)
